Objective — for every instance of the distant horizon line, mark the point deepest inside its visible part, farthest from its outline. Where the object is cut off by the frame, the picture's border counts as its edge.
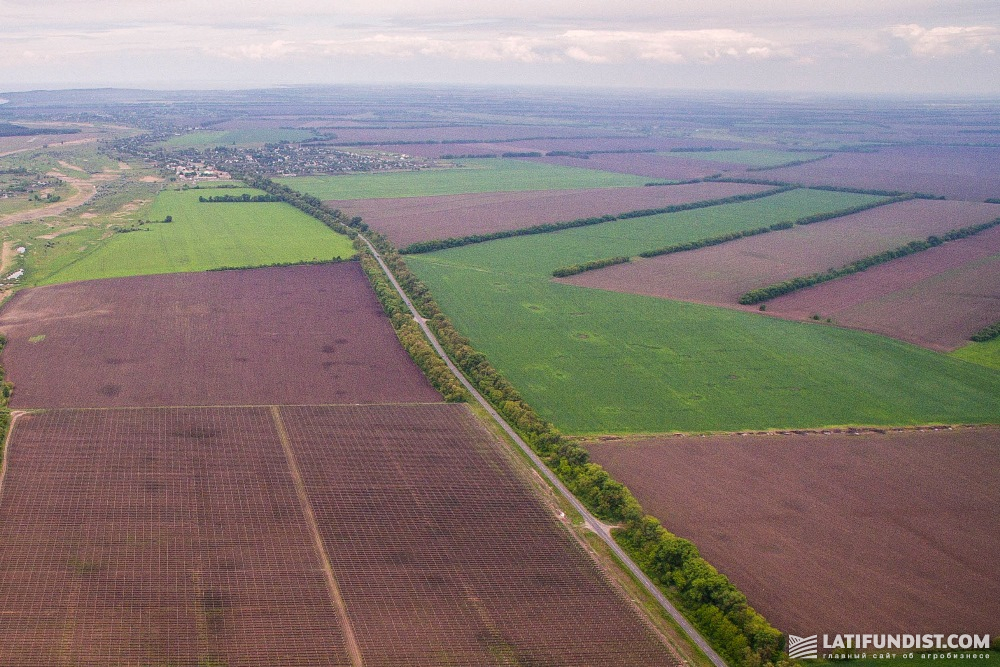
(190, 87)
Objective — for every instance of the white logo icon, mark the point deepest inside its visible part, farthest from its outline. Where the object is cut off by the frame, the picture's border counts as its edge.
(801, 648)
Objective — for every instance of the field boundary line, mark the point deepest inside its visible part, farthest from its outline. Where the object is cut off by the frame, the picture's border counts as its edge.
(14, 416)
(590, 521)
(350, 640)
(219, 407)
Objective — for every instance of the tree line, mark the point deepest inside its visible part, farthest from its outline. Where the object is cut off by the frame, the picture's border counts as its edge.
(724, 238)
(786, 287)
(715, 606)
(239, 199)
(548, 227)
(986, 333)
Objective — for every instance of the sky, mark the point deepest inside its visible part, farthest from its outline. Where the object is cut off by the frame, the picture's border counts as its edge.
(917, 47)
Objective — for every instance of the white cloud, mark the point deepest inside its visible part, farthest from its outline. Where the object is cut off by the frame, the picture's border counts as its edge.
(587, 46)
(947, 40)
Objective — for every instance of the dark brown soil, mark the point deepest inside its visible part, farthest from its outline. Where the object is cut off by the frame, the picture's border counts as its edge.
(936, 298)
(411, 219)
(659, 166)
(295, 335)
(720, 274)
(177, 536)
(441, 550)
(958, 172)
(894, 532)
(156, 537)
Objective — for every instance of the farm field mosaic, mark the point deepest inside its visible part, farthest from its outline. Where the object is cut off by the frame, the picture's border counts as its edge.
(182, 535)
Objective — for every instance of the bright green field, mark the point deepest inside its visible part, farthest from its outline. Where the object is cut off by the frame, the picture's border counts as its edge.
(985, 354)
(228, 138)
(484, 175)
(601, 362)
(751, 158)
(206, 236)
(540, 254)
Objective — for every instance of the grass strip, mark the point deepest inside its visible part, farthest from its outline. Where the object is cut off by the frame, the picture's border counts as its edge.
(574, 269)
(546, 228)
(794, 284)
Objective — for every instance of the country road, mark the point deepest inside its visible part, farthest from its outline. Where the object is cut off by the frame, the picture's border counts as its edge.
(601, 529)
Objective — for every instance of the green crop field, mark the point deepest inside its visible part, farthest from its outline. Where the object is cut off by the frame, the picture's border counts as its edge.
(602, 362)
(205, 236)
(235, 137)
(749, 157)
(480, 175)
(634, 235)
(985, 354)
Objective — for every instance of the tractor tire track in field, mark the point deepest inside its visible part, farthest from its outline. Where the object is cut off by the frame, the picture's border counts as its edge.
(331, 581)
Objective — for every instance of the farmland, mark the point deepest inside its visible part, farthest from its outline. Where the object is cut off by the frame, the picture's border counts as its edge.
(207, 236)
(468, 176)
(238, 137)
(267, 336)
(908, 518)
(181, 535)
(411, 219)
(600, 362)
(958, 172)
(720, 274)
(936, 298)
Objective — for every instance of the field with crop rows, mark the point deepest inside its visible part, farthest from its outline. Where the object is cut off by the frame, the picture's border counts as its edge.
(241, 536)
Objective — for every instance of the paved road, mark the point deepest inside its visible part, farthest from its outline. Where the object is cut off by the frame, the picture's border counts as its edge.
(601, 529)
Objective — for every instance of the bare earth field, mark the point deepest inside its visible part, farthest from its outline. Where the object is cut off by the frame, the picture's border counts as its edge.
(936, 298)
(876, 533)
(462, 562)
(410, 219)
(720, 274)
(294, 335)
(667, 167)
(400, 535)
(956, 172)
(155, 537)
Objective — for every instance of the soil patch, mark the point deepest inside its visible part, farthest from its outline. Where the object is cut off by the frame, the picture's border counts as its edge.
(250, 337)
(411, 219)
(876, 533)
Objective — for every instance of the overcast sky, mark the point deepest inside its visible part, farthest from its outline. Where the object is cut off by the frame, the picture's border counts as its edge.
(842, 46)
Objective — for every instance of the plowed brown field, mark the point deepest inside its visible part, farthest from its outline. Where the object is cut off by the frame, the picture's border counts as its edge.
(936, 298)
(668, 167)
(294, 335)
(292, 536)
(411, 219)
(720, 274)
(874, 533)
(958, 172)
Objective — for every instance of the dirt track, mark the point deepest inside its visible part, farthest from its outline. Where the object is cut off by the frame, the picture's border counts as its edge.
(175, 536)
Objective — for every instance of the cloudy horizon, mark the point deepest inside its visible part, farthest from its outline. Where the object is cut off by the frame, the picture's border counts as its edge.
(893, 47)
